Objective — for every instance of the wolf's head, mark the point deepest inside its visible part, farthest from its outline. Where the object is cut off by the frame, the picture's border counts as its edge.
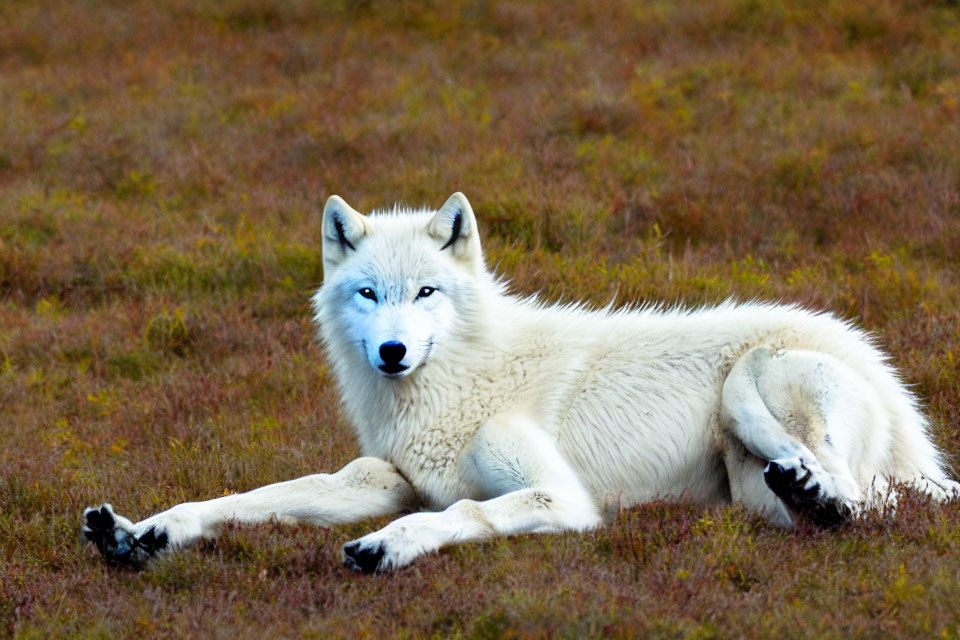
(397, 284)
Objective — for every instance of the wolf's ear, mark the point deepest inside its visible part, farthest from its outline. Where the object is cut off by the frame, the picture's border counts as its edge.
(342, 229)
(455, 227)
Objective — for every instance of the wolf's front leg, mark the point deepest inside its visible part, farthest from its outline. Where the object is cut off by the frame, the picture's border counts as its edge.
(365, 488)
(512, 458)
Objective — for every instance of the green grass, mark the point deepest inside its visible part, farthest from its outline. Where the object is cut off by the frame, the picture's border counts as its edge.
(162, 169)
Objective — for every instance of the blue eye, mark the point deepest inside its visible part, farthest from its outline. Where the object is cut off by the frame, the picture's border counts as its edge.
(368, 293)
(426, 292)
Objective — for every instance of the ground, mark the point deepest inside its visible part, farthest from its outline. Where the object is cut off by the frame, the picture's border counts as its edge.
(162, 171)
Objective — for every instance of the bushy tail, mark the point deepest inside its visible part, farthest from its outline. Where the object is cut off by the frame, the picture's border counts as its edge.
(915, 460)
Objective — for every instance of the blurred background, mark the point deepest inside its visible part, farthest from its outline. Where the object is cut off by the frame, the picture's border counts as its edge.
(162, 170)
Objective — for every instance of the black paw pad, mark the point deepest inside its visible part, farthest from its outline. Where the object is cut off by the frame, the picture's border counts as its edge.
(162, 541)
(830, 514)
(114, 545)
(360, 558)
(779, 478)
(118, 547)
(809, 502)
(99, 521)
(151, 541)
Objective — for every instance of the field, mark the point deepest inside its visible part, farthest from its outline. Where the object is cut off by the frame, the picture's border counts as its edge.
(162, 170)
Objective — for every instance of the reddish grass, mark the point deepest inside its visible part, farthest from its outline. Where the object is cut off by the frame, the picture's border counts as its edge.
(161, 170)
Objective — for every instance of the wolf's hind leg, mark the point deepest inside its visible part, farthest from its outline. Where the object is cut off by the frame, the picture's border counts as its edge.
(749, 488)
(798, 414)
(365, 488)
(512, 458)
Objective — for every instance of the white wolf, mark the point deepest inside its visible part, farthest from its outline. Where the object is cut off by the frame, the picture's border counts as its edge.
(502, 415)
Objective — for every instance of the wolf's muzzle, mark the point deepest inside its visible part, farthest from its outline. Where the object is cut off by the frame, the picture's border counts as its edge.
(392, 353)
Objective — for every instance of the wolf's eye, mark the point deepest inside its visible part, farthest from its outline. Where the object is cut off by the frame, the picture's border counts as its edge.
(368, 293)
(425, 292)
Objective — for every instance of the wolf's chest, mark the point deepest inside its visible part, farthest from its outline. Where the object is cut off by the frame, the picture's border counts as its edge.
(425, 427)
(433, 450)
(431, 462)
(429, 453)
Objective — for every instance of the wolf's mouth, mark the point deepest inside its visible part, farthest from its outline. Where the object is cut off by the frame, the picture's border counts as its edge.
(393, 369)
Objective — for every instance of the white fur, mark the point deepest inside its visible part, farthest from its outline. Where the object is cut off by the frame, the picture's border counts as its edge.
(512, 416)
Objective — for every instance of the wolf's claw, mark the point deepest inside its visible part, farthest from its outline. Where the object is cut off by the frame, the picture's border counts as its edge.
(116, 541)
(358, 557)
(825, 511)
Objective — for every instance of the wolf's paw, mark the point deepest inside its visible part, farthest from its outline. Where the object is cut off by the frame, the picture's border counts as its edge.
(396, 545)
(362, 557)
(117, 540)
(811, 492)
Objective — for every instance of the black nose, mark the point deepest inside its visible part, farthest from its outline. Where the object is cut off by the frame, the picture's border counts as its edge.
(392, 352)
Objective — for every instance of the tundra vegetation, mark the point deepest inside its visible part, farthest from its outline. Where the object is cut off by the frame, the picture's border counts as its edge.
(162, 169)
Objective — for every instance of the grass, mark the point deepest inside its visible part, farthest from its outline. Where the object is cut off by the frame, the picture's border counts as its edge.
(162, 168)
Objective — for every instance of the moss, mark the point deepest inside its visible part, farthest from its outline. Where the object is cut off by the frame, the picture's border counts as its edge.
(161, 179)
(169, 333)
